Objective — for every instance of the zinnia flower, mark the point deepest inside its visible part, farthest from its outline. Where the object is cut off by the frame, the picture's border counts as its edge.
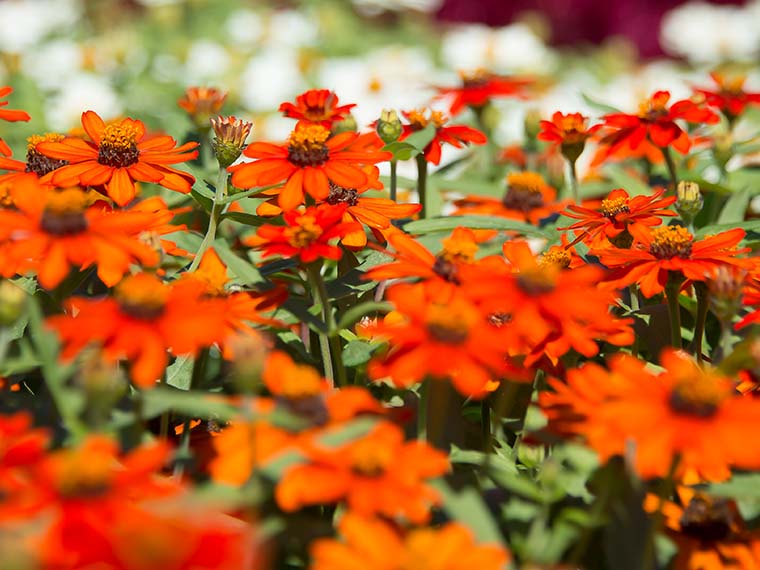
(116, 155)
(455, 135)
(36, 162)
(479, 87)
(568, 132)
(317, 106)
(143, 322)
(309, 161)
(729, 96)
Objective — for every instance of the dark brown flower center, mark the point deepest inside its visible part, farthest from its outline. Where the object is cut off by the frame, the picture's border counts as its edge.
(341, 195)
(118, 146)
(311, 408)
(62, 224)
(708, 520)
(306, 146)
(522, 199)
(36, 161)
(446, 269)
(671, 241)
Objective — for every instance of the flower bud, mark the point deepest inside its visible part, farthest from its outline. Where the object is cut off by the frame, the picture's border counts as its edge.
(689, 200)
(726, 285)
(103, 384)
(347, 125)
(532, 124)
(249, 355)
(201, 103)
(12, 302)
(231, 134)
(389, 126)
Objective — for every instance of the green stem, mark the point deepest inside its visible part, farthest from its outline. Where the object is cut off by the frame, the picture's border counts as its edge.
(671, 168)
(216, 212)
(329, 347)
(163, 432)
(666, 488)
(394, 164)
(422, 184)
(703, 304)
(485, 424)
(183, 453)
(674, 309)
(574, 181)
(438, 396)
(635, 306)
(726, 334)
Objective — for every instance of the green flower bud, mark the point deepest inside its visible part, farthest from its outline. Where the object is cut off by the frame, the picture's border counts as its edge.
(389, 126)
(689, 200)
(12, 303)
(231, 134)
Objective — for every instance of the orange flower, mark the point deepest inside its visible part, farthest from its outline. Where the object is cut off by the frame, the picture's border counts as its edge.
(378, 473)
(666, 250)
(51, 231)
(656, 121)
(729, 96)
(143, 322)
(441, 337)
(36, 162)
(455, 135)
(116, 155)
(568, 132)
(202, 103)
(528, 199)
(309, 161)
(533, 298)
(686, 411)
(317, 106)
(479, 87)
(374, 544)
(306, 234)
(598, 227)
(11, 115)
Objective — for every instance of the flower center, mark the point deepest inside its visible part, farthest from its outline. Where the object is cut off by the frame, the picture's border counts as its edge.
(524, 191)
(654, 108)
(538, 281)
(446, 269)
(475, 79)
(142, 296)
(699, 395)
(305, 232)
(36, 161)
(64, 212)
(671, 241)
(6, 198)
(459, 250)
(370, 459)
(341, 195)
(118, 145)
(498, 320)
(557, 256)
(447, 324)
(84, 475)
(707, 519)
(417, 119)
(306, 146)
(612, 207)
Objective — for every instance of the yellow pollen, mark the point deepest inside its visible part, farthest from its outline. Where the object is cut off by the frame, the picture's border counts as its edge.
(448, 323)
(84, 474)
(309, 138)
(526, 181)
(538, 281)
(67, 201)
(121, 136)
(305, 232)
(699, 394)
(6, 199)
(142, 294)
(34, 140)
(459, 251)
(370, 459)
(556, 255)
(671, 241)
(417, 119)
(438, 119)
(474, 77)
(573, 124)
(615, 206)
(653, 108)
(375, 85)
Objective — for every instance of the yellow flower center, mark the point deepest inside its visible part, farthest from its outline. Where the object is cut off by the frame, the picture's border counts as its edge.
(654, 108)
(118, 145)
(370, 459)
(477, 78)
(524, 191)
(306, 146)
(699, 395)
(83, 474)
(557, 256)
(64, 212)
(36, 161)
(671, 241)
(6, 199)
(142, 296)
(417, 119)
(305, 232)
(612, 207)
(449, 324)
(540, 280)
(458, 250)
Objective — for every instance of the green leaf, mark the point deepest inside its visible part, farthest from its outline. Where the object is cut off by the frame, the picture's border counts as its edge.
(467, 507)
(355, 313)
(357, 352)
(244, 194)
(741, 486)
(179, 373)
(599, 106)
(474, 222)
(631, 184)
(735, 208)
(246, 218)
(345, 433)
(401, 150)
(749, 225)
(204, 197)
(421, 139)
(244, 271)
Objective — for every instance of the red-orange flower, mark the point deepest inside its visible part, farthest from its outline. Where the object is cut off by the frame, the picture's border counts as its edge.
(143, 322)
(479, 87)
(686, 412)
(50, 231)
(202, 103)
(317, 106)
(455, 135)
(616, 214)
(36, 162)
(117, 155)
(568, 132)
(729, 95)
(306, 234)
(655, 121)
(374, 544)
(378, 473)
(666, 250)
(11, 115)
(309, 161)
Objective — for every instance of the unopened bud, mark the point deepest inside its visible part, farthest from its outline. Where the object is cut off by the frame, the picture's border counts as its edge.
(201, 103)
(347, 125)
(389, 126)
(249, 355)
(726, 285)
(229, 142)
(12, 302)
(103, 384)
(689, 200)
(532, 124)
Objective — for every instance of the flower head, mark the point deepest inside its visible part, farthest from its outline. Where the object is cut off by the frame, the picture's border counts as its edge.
(317, 106)
(231, 134)
(202, 103)
(479, 87)
(569, 132)
(729, 95)
(454, 135)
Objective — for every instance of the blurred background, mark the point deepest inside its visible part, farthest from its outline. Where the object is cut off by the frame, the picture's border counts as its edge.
(136, 57)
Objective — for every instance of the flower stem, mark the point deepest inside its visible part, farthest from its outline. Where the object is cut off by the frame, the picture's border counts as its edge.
(216, 211)
(394, 164)
(199, 371)
(665, 489)
(574, 181)
(671, 167)
(726, 334)
(703, 304)
(422, 184)
(672, 289)
(329, 343)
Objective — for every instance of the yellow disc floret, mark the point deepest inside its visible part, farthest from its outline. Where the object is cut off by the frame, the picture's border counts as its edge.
(671, 241)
